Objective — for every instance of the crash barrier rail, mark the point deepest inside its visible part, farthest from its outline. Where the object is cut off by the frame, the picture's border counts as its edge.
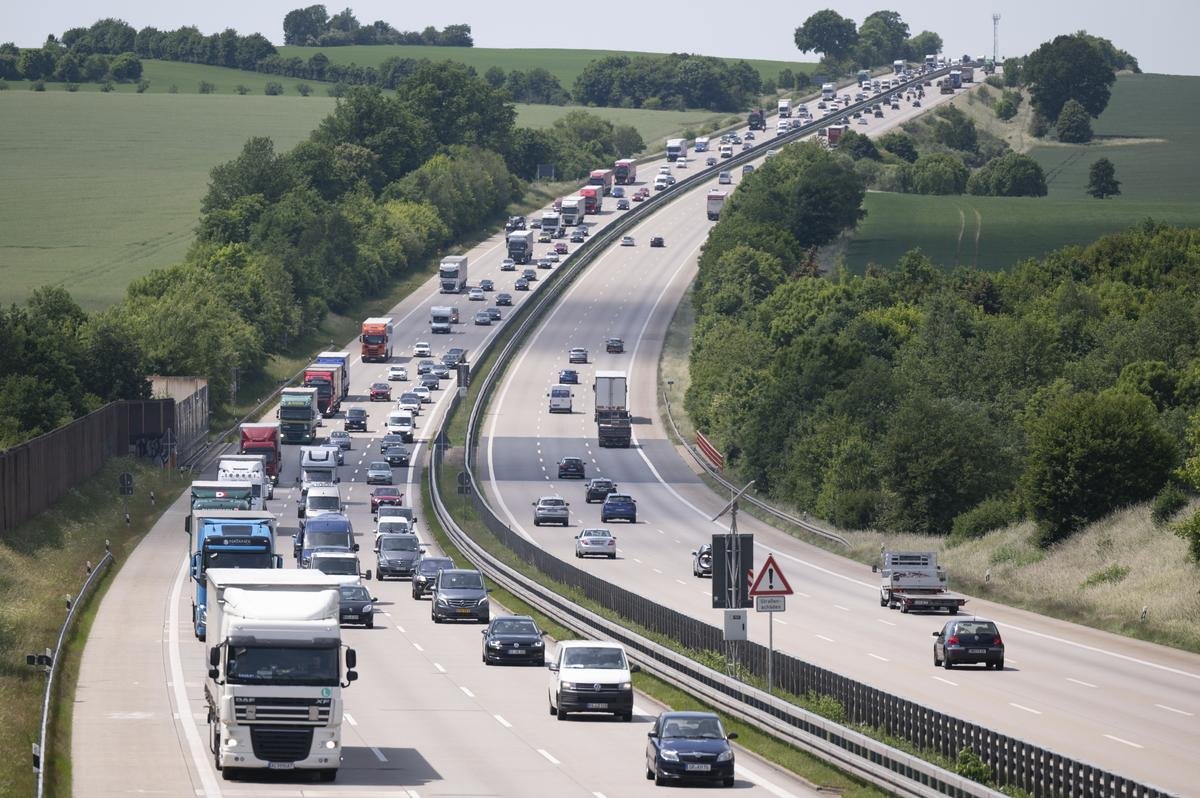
(748, 497)
(1014, 762)
(41, 752)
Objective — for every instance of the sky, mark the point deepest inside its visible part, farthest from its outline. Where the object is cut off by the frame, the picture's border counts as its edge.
(1158, 33)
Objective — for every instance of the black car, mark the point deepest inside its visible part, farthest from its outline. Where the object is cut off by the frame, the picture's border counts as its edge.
(440, 371)
(503, 299)
(398, 455)
(390, 440)
(521, 284)
(967, 641)
(459, 593)
(356, 420)
(572, 468)
(702, 561)
(454, 355)
(356, 605)
(657, 241)
(431, 382)
(614, 346)
(494, 313)
(689, 746)
(598, 489)
(577, 237)
(426, 573)
(396, 555)
(513, 638)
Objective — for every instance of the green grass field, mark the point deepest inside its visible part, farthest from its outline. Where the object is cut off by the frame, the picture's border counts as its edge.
(564, 64)
(1150, 131)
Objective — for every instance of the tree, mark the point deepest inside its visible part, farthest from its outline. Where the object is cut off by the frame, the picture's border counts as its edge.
(956, 130)
(456, 36)
(273, 88)
(125, 68)
(827, 32)
(937, 173)
(923, 44)
(494, 76)
(1102, 180)
(1074, 126)
(900, 145)
(1068, 68)
(858, 146)
(1090, 454)
(1012, 72)
(1009, 175)
(884, 33)
(304, 25)
(36, 64)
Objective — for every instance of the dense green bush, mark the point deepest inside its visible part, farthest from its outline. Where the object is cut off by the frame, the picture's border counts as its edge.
(1074, 125)
(1167, 503)
(988, 515)
(1010, 175)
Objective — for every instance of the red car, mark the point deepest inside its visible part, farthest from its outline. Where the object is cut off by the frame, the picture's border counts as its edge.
(381, 392)
(560, 248)
(386, 494)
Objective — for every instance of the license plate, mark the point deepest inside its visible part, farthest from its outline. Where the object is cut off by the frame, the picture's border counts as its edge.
(514, 651)
(281, 766)
(597, 706)
(350, 617)
(699, 766)
(463, 610)
(977, 650)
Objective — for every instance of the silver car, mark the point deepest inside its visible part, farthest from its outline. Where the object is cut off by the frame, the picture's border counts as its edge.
(596, 542)
(551, 510)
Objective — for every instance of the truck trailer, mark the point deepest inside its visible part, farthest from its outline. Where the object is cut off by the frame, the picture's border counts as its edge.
(676, 149)
(601, 179)
(248, 468)
(263, 438)
(912, 580)
(716, 201)
(520, 246)
(276, 672)
(612, 409)
(625, 171)
(338, 359)
(452, 273)
(828, 91)
(757, 119)
(785, 108)
(327, 379)
(213, 495)
(226, 539)
(377, 339)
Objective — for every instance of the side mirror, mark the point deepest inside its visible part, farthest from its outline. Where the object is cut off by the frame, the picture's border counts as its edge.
(566, 504)
(731, 736)
(693, 554)
(652, 733)
(356, 549)
(483, 631)
(553, 666)
(351, 676)
(374, 598)
(187, 524)
(367, 575)
(937, 634)
(351, 658)
(533, 504)
(874, 567)
(337, 479)
(214, 656)
(635, 668)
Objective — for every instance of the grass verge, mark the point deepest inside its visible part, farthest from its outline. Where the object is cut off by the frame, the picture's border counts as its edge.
(41, 561)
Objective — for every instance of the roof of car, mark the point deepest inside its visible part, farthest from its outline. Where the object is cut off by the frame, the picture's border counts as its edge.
(672, 713)
(590, 644)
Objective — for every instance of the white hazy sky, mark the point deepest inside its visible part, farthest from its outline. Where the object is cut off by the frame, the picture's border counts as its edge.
(1159, 33)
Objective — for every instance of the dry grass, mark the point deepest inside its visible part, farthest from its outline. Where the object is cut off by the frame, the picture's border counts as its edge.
(673, 364)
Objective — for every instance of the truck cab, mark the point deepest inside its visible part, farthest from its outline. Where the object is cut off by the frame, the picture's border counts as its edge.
(227, 539)
(250, 468)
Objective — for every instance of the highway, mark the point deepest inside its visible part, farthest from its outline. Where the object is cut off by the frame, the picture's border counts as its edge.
(1118, 703)
(426, 718)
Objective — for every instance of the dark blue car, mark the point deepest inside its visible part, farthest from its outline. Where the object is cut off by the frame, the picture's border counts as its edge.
(689, 746)
(330, 529)
(618, 507)
(568, 377)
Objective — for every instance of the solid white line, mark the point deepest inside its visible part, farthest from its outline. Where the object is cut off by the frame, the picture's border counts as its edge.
(1080, 682)
(199, 754)
(1176, 711)
(1025, 708)
(876, 656)
(946, 681)
(1123, 741)
(349, 718)
(438, 665)
(546, 754)
(502, 721)
(750, 775)
(378, 754)
(468, 693)
(411, 794)
(802, 594)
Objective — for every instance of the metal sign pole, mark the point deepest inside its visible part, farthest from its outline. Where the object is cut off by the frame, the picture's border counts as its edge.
(770, 650)
(733, 560)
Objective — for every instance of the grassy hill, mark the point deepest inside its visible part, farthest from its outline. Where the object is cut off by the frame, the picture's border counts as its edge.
(1150, 131)
(566, 65)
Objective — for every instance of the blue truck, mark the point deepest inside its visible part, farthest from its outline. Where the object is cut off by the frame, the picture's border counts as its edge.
(227, 539)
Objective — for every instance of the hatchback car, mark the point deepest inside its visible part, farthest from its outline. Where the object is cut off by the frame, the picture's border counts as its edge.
(689, 746)
(379, 473)
(355, 605)
(476, 295)
(623, 204)
(486, 285)
(577, 355)
(341, 439)
(627, 241)
(967, 641)
(596, 542)
(483, 319)
(636, 198)
(439, 370)
(710, 161)
(545, 263)
(551, 510)
(356, 420)
(544, 237)
(577, 236)
(702, 561)
(614, 346)
(568, 377)
(424, 366)
(503, 300)
(385, 495)
(494, 313)
(426, 572)
(657, 241)
(398, 455)
(508, 265)
(380, 392)
(410, 401)
(513, 638)
(459, 594)
(572, 468)
(618, 507)
(390, 439)
(422, 349)
(397, 373)
(598, 489)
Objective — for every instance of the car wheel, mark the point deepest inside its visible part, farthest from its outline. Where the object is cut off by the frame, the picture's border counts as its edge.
(370, 623)
(883, 602)
(553, 711)
(903, 608)
(327, 775)
(433, 617)
(1000, 665)
(627, 717)
(937, 663)
(633, 520)
(379, 576)
(658, 779)
(947, 664)
(612, 556)
(537, 522)
(229, 774)
(649, 774)
(603, 518)
(486, 661)
(562, 714)
(578, 556)
(727, 782)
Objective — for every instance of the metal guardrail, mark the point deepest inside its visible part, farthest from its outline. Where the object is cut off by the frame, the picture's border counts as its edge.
(1015, 761)
(41, 754)
(750, 498)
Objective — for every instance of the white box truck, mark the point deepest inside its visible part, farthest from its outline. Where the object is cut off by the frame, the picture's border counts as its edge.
(453, 274)
(441, 317)
(785, 108)
(276, 671)
(716, 201)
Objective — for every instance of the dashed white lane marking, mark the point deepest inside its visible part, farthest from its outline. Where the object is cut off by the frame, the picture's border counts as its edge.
(1176, 711)
(502, 721)
(400, 629)
(876, 656)
(774, 789)
(823, 637)
(1123, 741)
(417, 646)
(1081, 682)
(1024, 708)
(680, 581)
(349, 718)
(946, 681)
(840, 607)
(657, 571)
(881, 620)
(636, 560)
(438, 665)
(548, 756)
(466, 691)
(378, 754)
(802, 594)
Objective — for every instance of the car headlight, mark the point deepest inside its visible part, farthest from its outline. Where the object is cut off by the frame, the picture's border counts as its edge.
(669, 755)
(441, 600)
(626, 685)
(421, 578)
(483, 601)
(368, 608)
(536, 644)
(725, 756)
(568, 685)
(495, 644)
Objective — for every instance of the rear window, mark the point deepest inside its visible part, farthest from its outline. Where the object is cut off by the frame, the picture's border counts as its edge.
(560, 393)
(552, 502)
(986, 628)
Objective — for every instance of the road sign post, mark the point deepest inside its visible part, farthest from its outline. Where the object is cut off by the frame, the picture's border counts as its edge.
(770, 590)
(734, 562)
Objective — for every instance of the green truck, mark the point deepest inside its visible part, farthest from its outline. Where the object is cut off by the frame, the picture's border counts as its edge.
(298, 415)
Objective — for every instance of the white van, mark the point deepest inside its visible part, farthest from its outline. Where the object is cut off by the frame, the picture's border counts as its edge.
(401, 422)
(319, 500)
(725, 178)
(560, 398)
(250, 468)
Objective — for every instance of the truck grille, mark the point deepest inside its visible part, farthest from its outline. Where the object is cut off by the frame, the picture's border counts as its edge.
(281, 743)
(300, 711)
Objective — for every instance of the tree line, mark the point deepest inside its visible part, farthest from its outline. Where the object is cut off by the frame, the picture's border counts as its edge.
(314, 27)
(919, 401)
(844, 46)
(381, 187)
(676, 81)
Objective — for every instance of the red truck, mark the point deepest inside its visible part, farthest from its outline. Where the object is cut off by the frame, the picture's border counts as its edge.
(591, 199)
(327, 379)
(263, 439)
(601, 179)
(377, 338)
(834, 134)
(625, 171)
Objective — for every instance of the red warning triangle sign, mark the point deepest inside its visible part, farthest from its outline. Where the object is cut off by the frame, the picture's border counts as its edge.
(770, 580)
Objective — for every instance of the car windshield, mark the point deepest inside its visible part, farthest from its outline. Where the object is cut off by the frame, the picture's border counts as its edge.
(693, 728)
(379, 467)
(387, 491)
(381, 386)
(601, 483)
(337, 566)
(432, 566)
(514, 626)
(399, 544)
(266, 664)
(594, 658)
(355, 593)
(461, 581)
(323, 502)
(356, 412)
(314, 539)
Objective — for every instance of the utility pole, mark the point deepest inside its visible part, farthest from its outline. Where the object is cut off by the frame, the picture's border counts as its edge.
(995, 38)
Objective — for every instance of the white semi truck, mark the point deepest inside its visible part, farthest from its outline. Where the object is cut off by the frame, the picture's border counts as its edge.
(276, 671)
(453, 274)
(573, 209)
(785, 108)
(828, 91)
(250, 468)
